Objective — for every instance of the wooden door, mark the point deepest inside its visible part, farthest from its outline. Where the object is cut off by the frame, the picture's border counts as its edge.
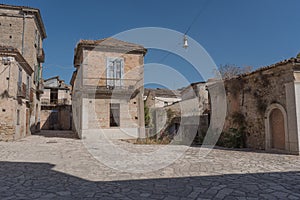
(277, 129)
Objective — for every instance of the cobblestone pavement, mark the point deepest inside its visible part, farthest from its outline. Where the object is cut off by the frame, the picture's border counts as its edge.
(39, 167)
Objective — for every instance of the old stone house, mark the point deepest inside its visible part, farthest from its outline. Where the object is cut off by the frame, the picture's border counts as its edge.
(264, 106)
(16, 94)
(56, 111)
(108, 86)
(21, 35)
(160, 97)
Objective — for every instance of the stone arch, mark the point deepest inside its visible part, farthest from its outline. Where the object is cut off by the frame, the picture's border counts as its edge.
(276, 127)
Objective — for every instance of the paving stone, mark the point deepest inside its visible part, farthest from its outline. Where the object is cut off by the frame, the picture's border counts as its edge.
(35, 169)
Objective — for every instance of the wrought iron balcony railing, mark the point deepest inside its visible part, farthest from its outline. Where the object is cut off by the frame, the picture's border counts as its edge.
(112, 87)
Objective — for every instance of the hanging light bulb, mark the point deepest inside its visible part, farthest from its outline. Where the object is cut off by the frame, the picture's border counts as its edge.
(185, 42)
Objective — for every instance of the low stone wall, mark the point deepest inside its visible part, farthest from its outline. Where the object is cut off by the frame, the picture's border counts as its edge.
(56, 118)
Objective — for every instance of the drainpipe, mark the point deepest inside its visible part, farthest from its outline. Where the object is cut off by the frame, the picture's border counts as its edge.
(23, 34)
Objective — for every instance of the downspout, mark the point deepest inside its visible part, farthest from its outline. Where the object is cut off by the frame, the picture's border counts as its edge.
(23, 34)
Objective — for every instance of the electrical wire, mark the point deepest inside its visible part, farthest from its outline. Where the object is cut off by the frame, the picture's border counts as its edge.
(201, 11)
(206, 3)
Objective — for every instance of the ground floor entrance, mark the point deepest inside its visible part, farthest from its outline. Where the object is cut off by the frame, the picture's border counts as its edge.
(114, 115)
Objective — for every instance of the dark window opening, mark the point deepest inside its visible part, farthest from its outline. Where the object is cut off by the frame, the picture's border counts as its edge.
(54, 96)
(18, 117)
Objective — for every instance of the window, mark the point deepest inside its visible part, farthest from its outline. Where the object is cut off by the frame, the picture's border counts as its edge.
(20, 78)
(18, 117)
(36, 42)
(54, 96)
(37, 69)
(114, 71)
(27, 85)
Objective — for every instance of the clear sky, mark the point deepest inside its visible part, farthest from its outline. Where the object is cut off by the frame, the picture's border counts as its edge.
(242, 32)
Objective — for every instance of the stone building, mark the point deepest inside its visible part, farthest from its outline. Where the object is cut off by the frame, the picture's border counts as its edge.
(16, 94)
(159, 98)
(21, 33)
(56, 111)
(108, 87)
(263, 106)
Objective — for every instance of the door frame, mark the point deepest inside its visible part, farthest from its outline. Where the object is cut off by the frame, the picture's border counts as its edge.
(268, 136)
(118, 108)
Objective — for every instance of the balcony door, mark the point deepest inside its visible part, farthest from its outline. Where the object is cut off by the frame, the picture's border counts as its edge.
(114, 71)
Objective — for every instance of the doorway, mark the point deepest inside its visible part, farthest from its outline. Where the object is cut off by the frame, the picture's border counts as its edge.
(27, 122)
(276, 127)
(114, 115)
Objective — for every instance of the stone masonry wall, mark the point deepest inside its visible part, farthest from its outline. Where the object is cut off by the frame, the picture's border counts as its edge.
(19, 31)
(94, 73)
(248, 98)
(10, 104)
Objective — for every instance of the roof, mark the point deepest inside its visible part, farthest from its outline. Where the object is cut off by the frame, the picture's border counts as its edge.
(165, 93)
(107, 44)
(28, 10)
(72, 81)
(192, 86)
(62, 83)
(112, 42)
(54, 77)
(264, 68)
(11, 51)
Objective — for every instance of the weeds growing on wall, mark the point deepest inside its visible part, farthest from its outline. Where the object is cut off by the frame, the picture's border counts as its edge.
(233, 138)
(147, 116)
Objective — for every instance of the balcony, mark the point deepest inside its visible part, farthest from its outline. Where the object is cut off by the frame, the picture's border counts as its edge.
(110, 88)
(55, 102)
(41, 55)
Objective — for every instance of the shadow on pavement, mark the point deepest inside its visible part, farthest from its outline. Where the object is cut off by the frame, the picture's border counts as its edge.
(57, 134)
(21, 180)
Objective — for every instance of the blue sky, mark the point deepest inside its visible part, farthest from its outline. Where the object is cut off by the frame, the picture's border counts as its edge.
(242, 32)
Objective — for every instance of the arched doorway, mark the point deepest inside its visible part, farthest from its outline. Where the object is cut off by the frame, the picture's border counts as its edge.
(276, 127)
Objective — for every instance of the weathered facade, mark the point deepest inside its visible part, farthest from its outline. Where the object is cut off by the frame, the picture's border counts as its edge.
(21, 34)
(159, 98)
(16, 95)
(108, 85)
(56, 111)
(188, 115)
(264, 105)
